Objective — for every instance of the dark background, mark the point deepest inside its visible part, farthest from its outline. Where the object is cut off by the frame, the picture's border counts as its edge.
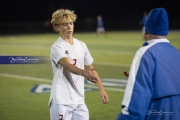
(117, 14)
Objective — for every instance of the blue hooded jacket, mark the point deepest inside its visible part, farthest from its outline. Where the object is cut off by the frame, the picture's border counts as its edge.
(153, 88)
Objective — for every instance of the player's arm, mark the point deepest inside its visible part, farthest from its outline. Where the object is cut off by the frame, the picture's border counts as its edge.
(75, 70)
(103, 93)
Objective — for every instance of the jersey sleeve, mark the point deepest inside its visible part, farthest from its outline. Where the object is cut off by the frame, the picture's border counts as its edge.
(88, 60)
(57, 53)
(138, 91)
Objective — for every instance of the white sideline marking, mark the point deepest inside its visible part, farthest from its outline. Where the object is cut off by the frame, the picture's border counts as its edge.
(112, 52)
(50, 81)
(25, 77)
(113, 89)
(111, 64)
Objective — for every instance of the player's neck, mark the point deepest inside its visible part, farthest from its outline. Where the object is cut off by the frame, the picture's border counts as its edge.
(68, 39)
(150, 37)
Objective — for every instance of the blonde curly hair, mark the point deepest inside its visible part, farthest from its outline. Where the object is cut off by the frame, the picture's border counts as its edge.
(61, 16)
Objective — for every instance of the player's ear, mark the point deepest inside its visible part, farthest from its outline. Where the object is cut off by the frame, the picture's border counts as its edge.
(56, 28)
(145, 36)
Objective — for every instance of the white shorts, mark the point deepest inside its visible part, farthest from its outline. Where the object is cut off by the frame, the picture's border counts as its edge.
(100, 29)
(68, 112)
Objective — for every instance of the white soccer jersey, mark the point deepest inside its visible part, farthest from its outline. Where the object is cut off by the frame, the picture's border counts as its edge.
(68, 88)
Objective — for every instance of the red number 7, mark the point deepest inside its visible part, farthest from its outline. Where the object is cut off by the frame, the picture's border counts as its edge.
(61, 117)
(74, 61)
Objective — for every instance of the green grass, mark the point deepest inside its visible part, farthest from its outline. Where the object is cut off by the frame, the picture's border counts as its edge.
(18, 103)
(112, 55)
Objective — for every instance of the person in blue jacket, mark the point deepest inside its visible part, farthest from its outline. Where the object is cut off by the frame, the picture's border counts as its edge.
(153, 88)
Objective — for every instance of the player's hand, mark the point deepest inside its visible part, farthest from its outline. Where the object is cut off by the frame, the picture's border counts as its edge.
(104, 97)
(89, 76)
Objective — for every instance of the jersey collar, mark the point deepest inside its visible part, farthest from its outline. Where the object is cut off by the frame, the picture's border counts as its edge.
(155, 41)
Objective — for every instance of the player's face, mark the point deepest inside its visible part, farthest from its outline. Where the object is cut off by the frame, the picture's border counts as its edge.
(66, 29)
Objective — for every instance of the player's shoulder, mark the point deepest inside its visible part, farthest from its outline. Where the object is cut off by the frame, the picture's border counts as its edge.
(57, 43)
(77, 41)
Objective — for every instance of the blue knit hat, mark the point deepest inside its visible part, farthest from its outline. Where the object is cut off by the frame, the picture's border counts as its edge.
(157, 22)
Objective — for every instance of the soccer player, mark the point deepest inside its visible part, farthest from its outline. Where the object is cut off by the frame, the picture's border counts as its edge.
(153, 88)
(71, 61)
(100, 26)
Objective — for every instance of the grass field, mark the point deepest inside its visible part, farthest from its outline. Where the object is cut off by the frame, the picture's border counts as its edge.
(112, 56)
